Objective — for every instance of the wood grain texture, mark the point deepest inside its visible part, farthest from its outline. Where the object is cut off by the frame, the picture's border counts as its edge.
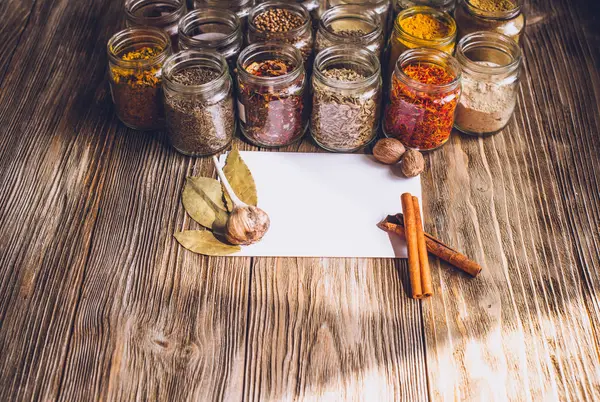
(525, 204)
(333, 329)
(97, 301)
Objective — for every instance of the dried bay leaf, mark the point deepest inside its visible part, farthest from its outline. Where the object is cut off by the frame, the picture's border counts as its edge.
(202, 198)
(204, 242)
(240, 178)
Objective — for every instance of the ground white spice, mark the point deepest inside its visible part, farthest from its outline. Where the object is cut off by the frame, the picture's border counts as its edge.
(485, 105)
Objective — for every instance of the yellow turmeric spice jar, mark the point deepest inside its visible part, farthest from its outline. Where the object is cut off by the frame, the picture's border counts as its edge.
(421, 26)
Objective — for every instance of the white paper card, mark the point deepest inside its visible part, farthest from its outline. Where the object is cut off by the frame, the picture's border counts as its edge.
(327, 205)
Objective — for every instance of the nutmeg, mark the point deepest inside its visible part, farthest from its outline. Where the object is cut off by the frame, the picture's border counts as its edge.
(412, 163)
(388, 151)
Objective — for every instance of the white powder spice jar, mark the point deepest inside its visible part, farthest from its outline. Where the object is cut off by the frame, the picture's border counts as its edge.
(491, 65)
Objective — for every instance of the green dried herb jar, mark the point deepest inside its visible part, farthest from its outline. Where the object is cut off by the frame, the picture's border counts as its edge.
(346, 93)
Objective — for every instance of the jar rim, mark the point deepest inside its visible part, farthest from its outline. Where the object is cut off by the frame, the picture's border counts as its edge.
(431, 56)
(201, 16)
(131, 6)
(353, 12)
(194, 58)
(297, 9)
(496, 15)
(219, 3)
(341, 51)
(441, 16)
(135, 35)
(492, 40)
(279, 49)
(365, 3)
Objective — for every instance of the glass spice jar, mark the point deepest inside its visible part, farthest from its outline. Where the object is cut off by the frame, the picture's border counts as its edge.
(198, 99)
(163, 14)
(271, 94)
(423, 95)
(491, 66)
(290, 23)
(241, 8)
(212, 29)
(346, 90)
(135, 59)
(418, 27)
(350, 25)
(441, 5)
(383, 8)
(502, 16)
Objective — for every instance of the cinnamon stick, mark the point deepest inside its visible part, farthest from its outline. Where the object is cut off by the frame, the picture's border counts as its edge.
(394, 224)
(410, 229)
(426, 284)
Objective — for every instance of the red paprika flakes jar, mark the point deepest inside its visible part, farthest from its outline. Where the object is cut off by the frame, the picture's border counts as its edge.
(272, 94)
(423, 95)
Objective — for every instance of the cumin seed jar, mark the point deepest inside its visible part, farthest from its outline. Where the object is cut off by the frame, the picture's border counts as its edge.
(491, 65)
(271, 94)
(163, 14)
(421, 27)
(135, 59)
(423, 95)
(212, 29)
(280, 22)
(501, 16)
(198, 100)
(346, 89)
(346, 25)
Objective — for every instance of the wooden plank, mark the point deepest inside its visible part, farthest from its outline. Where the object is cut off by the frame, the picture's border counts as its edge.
(15, 17)
(333, 329)
(155, 321)
(525, 203)
(51, 168)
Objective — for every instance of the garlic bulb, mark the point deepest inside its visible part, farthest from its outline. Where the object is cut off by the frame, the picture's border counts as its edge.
(246, 224)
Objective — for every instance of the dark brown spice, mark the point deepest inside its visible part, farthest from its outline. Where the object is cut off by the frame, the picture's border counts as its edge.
(197, 125)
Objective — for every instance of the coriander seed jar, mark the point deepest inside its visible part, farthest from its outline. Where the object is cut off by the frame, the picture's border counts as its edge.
(347, 25)
(199, 107)
(163, 14)
(346, 94)
(212, 29)
(491, 66)
(274, 21)
(271, 94)
(423, 95)
(504, 17)
(440, 34)
(135, 59)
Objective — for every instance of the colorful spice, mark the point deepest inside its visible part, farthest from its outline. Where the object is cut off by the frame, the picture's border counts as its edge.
(493, 5)
(421, 119)
(344, 120)
(199, 124)
(272, 115)
(424, 26)
(136, 90)
(421, 26)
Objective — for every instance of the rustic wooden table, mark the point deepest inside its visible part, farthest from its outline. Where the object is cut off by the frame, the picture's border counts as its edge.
(97, 300)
